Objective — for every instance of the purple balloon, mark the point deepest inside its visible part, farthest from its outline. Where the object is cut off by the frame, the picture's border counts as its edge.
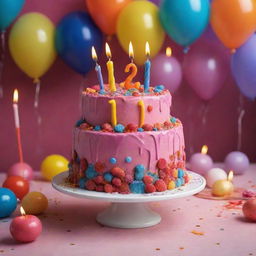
(166, 71)
(157, 2)
(243, 66)
(206, 67)
(237, 162)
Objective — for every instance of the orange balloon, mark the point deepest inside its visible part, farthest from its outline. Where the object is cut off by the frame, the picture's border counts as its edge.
(105, 13)
(233, 21)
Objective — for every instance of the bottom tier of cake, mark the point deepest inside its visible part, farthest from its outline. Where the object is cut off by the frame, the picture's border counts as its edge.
(138, 162)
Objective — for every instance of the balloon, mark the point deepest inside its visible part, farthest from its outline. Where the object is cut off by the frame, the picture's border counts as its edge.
(34, 203)
(138, 22)
(21, 169)
(156, 2)
(206, 68)
(75, 36)
(106, 18)
(233, 22)
(53, 165)
(184, 20)
(166, 71)
(243, 67)
(9, 10)
(31, 44)
(8, 202)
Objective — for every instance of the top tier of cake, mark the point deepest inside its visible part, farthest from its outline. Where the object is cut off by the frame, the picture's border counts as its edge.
(96, 109)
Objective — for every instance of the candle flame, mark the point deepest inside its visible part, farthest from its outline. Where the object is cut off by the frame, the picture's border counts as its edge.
(168, 51)
(147, 49)
(94, 54)
(230, 176)
(204, 150)
(131, 53)
(108, 52)
(22, 211)
(15, 96)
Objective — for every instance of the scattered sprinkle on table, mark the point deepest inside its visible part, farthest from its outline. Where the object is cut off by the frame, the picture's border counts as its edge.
(71, 244)
(181, 248)
(198, 233)
(157, 249)
(217, 243)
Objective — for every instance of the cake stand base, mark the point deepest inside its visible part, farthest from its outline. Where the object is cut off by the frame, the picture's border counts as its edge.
(129, 210)
(128, 215)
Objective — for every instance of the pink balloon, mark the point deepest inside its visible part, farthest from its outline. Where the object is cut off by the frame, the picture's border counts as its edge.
(166, 71)
(206, 67)
(21, 169)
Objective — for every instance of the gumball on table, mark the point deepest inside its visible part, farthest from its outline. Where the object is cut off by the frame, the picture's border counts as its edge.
(18, 185)
(8, 202)
(21, 169)
(34, 203)
(53, 165)
(25, 228)
(237, 161)
(249, 209)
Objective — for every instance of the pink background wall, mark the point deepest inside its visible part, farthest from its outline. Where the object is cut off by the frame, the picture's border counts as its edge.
(59, 105)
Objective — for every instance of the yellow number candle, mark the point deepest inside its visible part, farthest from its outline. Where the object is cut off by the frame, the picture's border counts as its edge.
(142, 112)
(110, 67)
(113, 112)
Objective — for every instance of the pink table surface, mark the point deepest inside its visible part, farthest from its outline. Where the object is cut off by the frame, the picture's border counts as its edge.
(69, 228)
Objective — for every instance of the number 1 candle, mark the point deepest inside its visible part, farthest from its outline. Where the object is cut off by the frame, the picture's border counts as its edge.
(142, 112)
(17, 122)
(113, 112)
(110, 67)
(147, 69)
(98, 69)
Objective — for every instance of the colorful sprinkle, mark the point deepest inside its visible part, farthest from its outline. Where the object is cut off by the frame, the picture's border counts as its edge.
(118, 172)
(147, 179)
(197, 233)
(128, 159)
(90, 172)
(173, 120)
(161, 163)
(140, 129)
(137, 187)
(160, 185)
(112, 160)
(119, 128)
(108, 176)
(79, 122)
(90, 185)
(139, 171)
(108, 188)
(97, 128)
(117, 182)
(149, 108)
(171, 185)
(150, 188)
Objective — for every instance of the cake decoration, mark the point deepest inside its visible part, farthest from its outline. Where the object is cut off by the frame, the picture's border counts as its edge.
(126, 141)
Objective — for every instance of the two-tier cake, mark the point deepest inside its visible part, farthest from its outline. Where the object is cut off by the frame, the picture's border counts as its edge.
(127, 142)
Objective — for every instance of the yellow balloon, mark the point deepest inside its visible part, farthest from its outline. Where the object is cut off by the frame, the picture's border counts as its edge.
(53, 165)
(139, 23)
(34, 203)
(31, 44)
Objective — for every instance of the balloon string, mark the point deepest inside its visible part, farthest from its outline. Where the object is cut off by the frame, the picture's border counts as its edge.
(2, 62)
(36, 102)
(241, 113)
(204, 112)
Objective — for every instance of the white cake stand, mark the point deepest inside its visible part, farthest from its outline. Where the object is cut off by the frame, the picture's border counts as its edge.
(130, 210)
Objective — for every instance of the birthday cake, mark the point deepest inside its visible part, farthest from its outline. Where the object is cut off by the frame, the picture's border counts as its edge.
(127, 142)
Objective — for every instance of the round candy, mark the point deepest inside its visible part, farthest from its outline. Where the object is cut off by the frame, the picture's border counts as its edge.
(8, 202)
(237, 162)
(249, 209)
(34, 203)
(53, 165)
(18, 185)
(215, 174)
(21, 169)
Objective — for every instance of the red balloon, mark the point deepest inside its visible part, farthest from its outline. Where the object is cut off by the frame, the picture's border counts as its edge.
(249, 209)
(18, 185)
(105, 13)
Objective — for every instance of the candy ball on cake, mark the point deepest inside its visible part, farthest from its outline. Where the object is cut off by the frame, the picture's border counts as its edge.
(21, 169)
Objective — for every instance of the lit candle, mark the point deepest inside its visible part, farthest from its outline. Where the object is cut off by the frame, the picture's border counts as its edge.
(98, 69)
(201, 162)
(147, 69)
(110, 67)
(142, 112)
(17, 122)
(223, 187)
(25, 228)
(168, 51)
(128, 84)
(113, 112)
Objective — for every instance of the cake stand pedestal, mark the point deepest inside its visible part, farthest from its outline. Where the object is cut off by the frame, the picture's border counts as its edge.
(130, 210)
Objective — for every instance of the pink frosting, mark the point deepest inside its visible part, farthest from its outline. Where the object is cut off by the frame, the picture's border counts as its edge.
(96, 110)
(143, 147)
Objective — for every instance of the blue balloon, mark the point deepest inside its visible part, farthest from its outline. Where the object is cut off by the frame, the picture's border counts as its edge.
(75, 35)
(9, 10)
(184, 20)
(243, 66)
(8, 202)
